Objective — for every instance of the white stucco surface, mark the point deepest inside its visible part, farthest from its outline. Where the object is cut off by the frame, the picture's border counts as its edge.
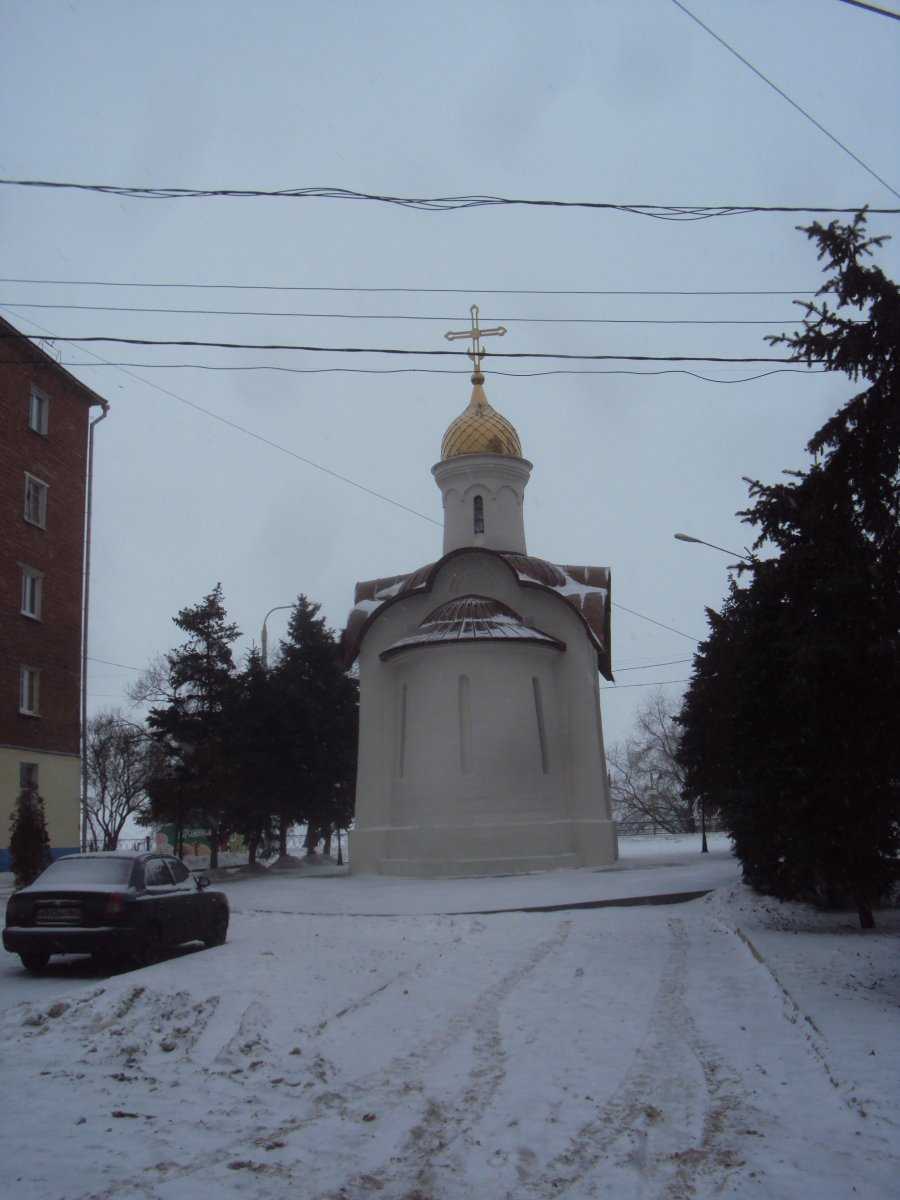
(500, 481)
(480, 755)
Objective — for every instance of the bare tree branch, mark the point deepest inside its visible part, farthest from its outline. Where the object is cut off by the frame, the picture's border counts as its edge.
(120, 759)
(153, 684)
(647, 784)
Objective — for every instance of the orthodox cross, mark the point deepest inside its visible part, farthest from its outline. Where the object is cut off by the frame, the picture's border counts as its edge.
(475, 334)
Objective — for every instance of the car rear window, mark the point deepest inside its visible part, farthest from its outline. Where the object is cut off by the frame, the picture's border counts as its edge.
(88, 870)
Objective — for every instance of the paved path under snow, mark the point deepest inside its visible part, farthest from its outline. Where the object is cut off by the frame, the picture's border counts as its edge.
(647, 867)
(633, 1052)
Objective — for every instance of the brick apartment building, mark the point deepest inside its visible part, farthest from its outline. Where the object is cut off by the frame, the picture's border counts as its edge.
(44, 420)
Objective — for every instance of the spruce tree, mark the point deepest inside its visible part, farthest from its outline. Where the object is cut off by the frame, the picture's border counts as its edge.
(790, 722)
(29, 842)
(193, 725)
(256, 744)
(319, 704)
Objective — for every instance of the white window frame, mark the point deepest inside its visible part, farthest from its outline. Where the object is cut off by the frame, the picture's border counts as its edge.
(44, 487)
(38, 411)
(29, 691)
(32, 591)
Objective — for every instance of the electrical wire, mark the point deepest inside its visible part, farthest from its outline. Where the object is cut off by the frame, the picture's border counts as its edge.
(259, 438)
(617, 687)
(56, 665)
(672, 662)
(429, 370)
(318, 466)
(291, 346)
(341, 316)
(793, 103)
(690, 637)
(273, 287)
(106, 662)
(664, 212)
(873, 8)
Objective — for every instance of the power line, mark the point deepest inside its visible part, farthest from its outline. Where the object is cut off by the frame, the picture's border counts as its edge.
(690, 637)
(342, 316)
(425, 370)
(873, 8)
(617, 687)
(106, 662)
(57, 665)
(291, 346)
(664, 212)
(318, 466)
(650, 666)
(259, 437)
(273, 287)
(793, 103)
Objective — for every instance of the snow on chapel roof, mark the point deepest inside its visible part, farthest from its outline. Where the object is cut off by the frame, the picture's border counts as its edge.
(586, 589)
(472, 619)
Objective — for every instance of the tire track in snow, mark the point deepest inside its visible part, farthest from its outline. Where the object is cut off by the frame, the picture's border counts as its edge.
(434, 1131)
(670, 1118)
(433, 1148)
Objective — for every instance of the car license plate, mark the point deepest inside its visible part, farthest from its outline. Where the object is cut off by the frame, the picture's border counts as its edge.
(68, 915)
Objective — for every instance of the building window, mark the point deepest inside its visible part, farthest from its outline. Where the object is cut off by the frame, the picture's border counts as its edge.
(29, 691)
(32, 589)
(478, 514)
(28, 777)
(35, 501)
(38, 411)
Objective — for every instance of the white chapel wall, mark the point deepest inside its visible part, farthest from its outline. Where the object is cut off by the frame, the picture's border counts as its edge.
(562, 810)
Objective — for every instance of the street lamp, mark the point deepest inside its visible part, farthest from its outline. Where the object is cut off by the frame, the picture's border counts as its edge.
(264, 654)
(264, 636)
(686, 537)
(85, 616)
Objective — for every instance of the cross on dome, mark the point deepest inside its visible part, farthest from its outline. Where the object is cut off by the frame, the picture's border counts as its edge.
(475, 334)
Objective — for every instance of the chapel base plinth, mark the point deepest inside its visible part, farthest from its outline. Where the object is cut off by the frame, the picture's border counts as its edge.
(513, 848)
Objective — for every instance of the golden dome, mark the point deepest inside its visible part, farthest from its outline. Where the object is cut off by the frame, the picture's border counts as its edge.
(480, 429)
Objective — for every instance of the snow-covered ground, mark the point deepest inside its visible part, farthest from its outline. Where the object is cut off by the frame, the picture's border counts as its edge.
(729, 1046)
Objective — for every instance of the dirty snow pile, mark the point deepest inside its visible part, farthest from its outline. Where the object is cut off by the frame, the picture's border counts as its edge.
(725, 1047)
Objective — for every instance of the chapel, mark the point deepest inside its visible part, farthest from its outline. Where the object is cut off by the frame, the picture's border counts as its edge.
(481, 741)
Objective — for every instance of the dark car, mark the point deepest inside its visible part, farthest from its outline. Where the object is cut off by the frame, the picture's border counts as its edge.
(113, 905)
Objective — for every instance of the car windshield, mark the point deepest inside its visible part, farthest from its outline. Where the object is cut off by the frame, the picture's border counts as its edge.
(88, 870)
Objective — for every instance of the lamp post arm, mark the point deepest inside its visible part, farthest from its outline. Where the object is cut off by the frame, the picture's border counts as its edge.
(264, 635)
(686, 537)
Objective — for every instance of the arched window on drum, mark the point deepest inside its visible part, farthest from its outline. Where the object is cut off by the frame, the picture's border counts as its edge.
(478, 514)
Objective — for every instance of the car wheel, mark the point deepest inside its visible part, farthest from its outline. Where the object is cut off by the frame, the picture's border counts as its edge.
(150, 950)
(35, 961)
(218, 932)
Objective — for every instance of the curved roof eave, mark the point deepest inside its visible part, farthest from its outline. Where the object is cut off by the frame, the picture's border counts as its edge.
(355, 631)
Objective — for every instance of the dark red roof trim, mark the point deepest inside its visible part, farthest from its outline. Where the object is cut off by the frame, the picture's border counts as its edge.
(586, 589)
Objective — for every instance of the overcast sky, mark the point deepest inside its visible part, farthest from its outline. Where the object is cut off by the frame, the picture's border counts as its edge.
(616, 100)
